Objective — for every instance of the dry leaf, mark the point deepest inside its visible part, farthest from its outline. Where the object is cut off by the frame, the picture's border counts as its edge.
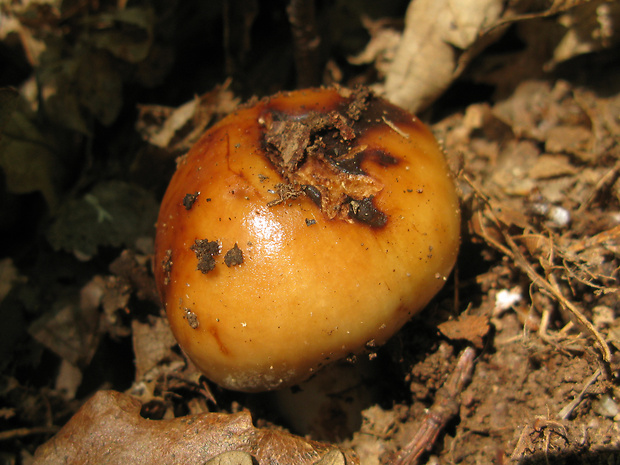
(576, 140)
(442, 37)
(9, 275)
(590, 26)
(176, 129)
(381, 48)
(551, 166)
(70, 331)
(426, 61)
(109, 429)
(469, 327)
(231, 458)
(152, 342)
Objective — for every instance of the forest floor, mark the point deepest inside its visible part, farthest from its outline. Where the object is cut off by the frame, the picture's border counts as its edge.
(91, 125)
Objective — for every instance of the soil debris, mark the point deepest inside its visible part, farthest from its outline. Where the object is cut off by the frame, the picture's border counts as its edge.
(189, 199)
(192, 318)
(234, 256)
(166, 264)
(205, 250)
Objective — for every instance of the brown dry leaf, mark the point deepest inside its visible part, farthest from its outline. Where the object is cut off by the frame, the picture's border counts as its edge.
(609, 239)
(426, 62)
(513, 163)
(593, 260)
(590, 26)
(9, 276)
(68, 380)
(551, 166)
(69, 330)
(442, 37)
(109, 429)
(134, 269)
(535, 107)
(382, 46)
(176, 129)
(376, 436)
(231, 458)
(576, 140)
(117, 293)
(469, 327)
(549, 438)
(152, 341)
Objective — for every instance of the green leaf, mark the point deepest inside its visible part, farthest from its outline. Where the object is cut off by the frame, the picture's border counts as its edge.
(26, 157)
(113, 213)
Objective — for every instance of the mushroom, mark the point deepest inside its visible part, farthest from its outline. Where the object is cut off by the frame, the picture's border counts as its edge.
(303, 228)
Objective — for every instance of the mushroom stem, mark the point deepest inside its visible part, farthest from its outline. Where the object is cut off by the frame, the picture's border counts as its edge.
(329, 405)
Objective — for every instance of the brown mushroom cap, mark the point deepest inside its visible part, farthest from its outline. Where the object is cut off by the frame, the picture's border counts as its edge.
(300, 230)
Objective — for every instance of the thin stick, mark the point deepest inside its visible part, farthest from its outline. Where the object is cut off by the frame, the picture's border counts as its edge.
(549, 285)
(23, 432)
(445, 407)
(568, 409)
(306, 40)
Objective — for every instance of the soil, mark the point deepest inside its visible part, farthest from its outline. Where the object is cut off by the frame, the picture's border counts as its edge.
(531, 137)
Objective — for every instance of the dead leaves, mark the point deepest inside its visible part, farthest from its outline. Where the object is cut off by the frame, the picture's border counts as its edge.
(468, 327)
(426, 60)
(83, 56)
(549, 285)
(176, 129)
(540, 172)
(109, 429)
(440, 39)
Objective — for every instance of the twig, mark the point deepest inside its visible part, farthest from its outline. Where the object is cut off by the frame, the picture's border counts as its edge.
(549, 285)
(568, 409)
(22, 432)
(306, 40)
(603, 185)
(445, 407)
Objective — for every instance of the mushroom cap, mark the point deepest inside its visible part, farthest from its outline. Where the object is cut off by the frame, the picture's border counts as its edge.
(306, 254)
